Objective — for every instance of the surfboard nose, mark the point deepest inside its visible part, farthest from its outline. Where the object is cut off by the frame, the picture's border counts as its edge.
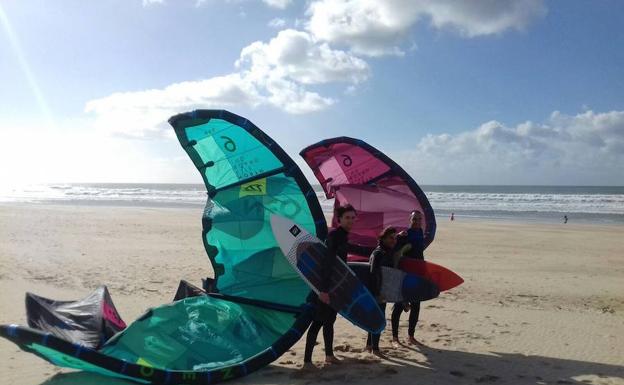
(364, 309)
(285, 232)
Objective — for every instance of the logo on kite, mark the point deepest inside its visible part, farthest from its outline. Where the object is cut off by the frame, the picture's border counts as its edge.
(256, 187)
(229, 144)
(295, 231)
(347, 161)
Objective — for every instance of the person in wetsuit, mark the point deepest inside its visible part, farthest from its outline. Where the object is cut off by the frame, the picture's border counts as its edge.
(410, 244)
(383, 255)
(338, 247)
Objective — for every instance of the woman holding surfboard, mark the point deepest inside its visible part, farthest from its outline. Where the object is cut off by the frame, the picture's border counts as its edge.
(338, 246)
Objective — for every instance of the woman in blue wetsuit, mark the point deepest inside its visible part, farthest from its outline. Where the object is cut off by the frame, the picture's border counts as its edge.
(410, 244)
(383, 255)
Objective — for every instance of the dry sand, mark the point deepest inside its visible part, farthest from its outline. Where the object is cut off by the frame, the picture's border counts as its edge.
(542, 303)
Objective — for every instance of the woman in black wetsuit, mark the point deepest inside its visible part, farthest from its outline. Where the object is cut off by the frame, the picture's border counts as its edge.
(410, 244)
(383, 255)
(338, 246)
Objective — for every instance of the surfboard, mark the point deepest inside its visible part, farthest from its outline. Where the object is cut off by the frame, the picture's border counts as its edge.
(444, 278)
(397, 285)
(347, 295)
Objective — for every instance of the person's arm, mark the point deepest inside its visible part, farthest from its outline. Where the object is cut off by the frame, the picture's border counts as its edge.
(426, 235)
(327, 264)
(419, 244)
(359, 250)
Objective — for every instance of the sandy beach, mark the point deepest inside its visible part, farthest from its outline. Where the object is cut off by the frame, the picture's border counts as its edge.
(541, 303)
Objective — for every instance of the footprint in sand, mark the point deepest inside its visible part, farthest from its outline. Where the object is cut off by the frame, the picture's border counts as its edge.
(487, 378)
(457, 373)
(343, 348)
(287, 362)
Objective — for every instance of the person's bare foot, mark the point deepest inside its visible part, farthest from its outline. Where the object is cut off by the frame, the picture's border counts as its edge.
(395, 343)
(368, 348)
(332, 360)
(378, 353)
(308, 366)
(412, 340)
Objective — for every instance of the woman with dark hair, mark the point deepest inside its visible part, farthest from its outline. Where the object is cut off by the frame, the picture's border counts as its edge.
(381, 256)
(410, 244)
(338, 245)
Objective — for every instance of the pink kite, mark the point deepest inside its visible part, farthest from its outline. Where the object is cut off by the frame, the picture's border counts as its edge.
(354, 172)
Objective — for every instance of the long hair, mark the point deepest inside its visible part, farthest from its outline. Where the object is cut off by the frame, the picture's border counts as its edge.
(386, 232)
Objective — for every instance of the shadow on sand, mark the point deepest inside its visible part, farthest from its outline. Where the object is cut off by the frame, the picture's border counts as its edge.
(432, 366)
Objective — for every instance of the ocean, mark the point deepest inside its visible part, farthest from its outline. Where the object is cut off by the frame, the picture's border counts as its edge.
(585, 204)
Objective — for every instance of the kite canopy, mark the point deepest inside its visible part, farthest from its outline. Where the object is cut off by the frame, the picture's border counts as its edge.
(259, 315)
(248, 177)
(90, 321)
(353, 172)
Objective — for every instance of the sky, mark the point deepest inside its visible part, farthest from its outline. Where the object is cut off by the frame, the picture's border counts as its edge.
(484, 92)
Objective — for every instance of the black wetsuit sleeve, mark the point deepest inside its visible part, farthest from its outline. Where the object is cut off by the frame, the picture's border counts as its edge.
(327, 263)
(359, 250)
(419, 246)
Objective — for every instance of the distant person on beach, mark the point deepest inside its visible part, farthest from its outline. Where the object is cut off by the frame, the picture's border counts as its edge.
(452, 216)
(383, 255)
(325, 317)
(565, 219)
(410, 244)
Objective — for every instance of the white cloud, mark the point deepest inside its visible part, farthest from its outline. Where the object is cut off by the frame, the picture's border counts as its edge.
(147, 3)
(485, 17)
(378, 27)
(279, 4)
(143, 114)
(297, 56)
(285, 71)
(587, 148)
(277, 23)
(277, 73)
